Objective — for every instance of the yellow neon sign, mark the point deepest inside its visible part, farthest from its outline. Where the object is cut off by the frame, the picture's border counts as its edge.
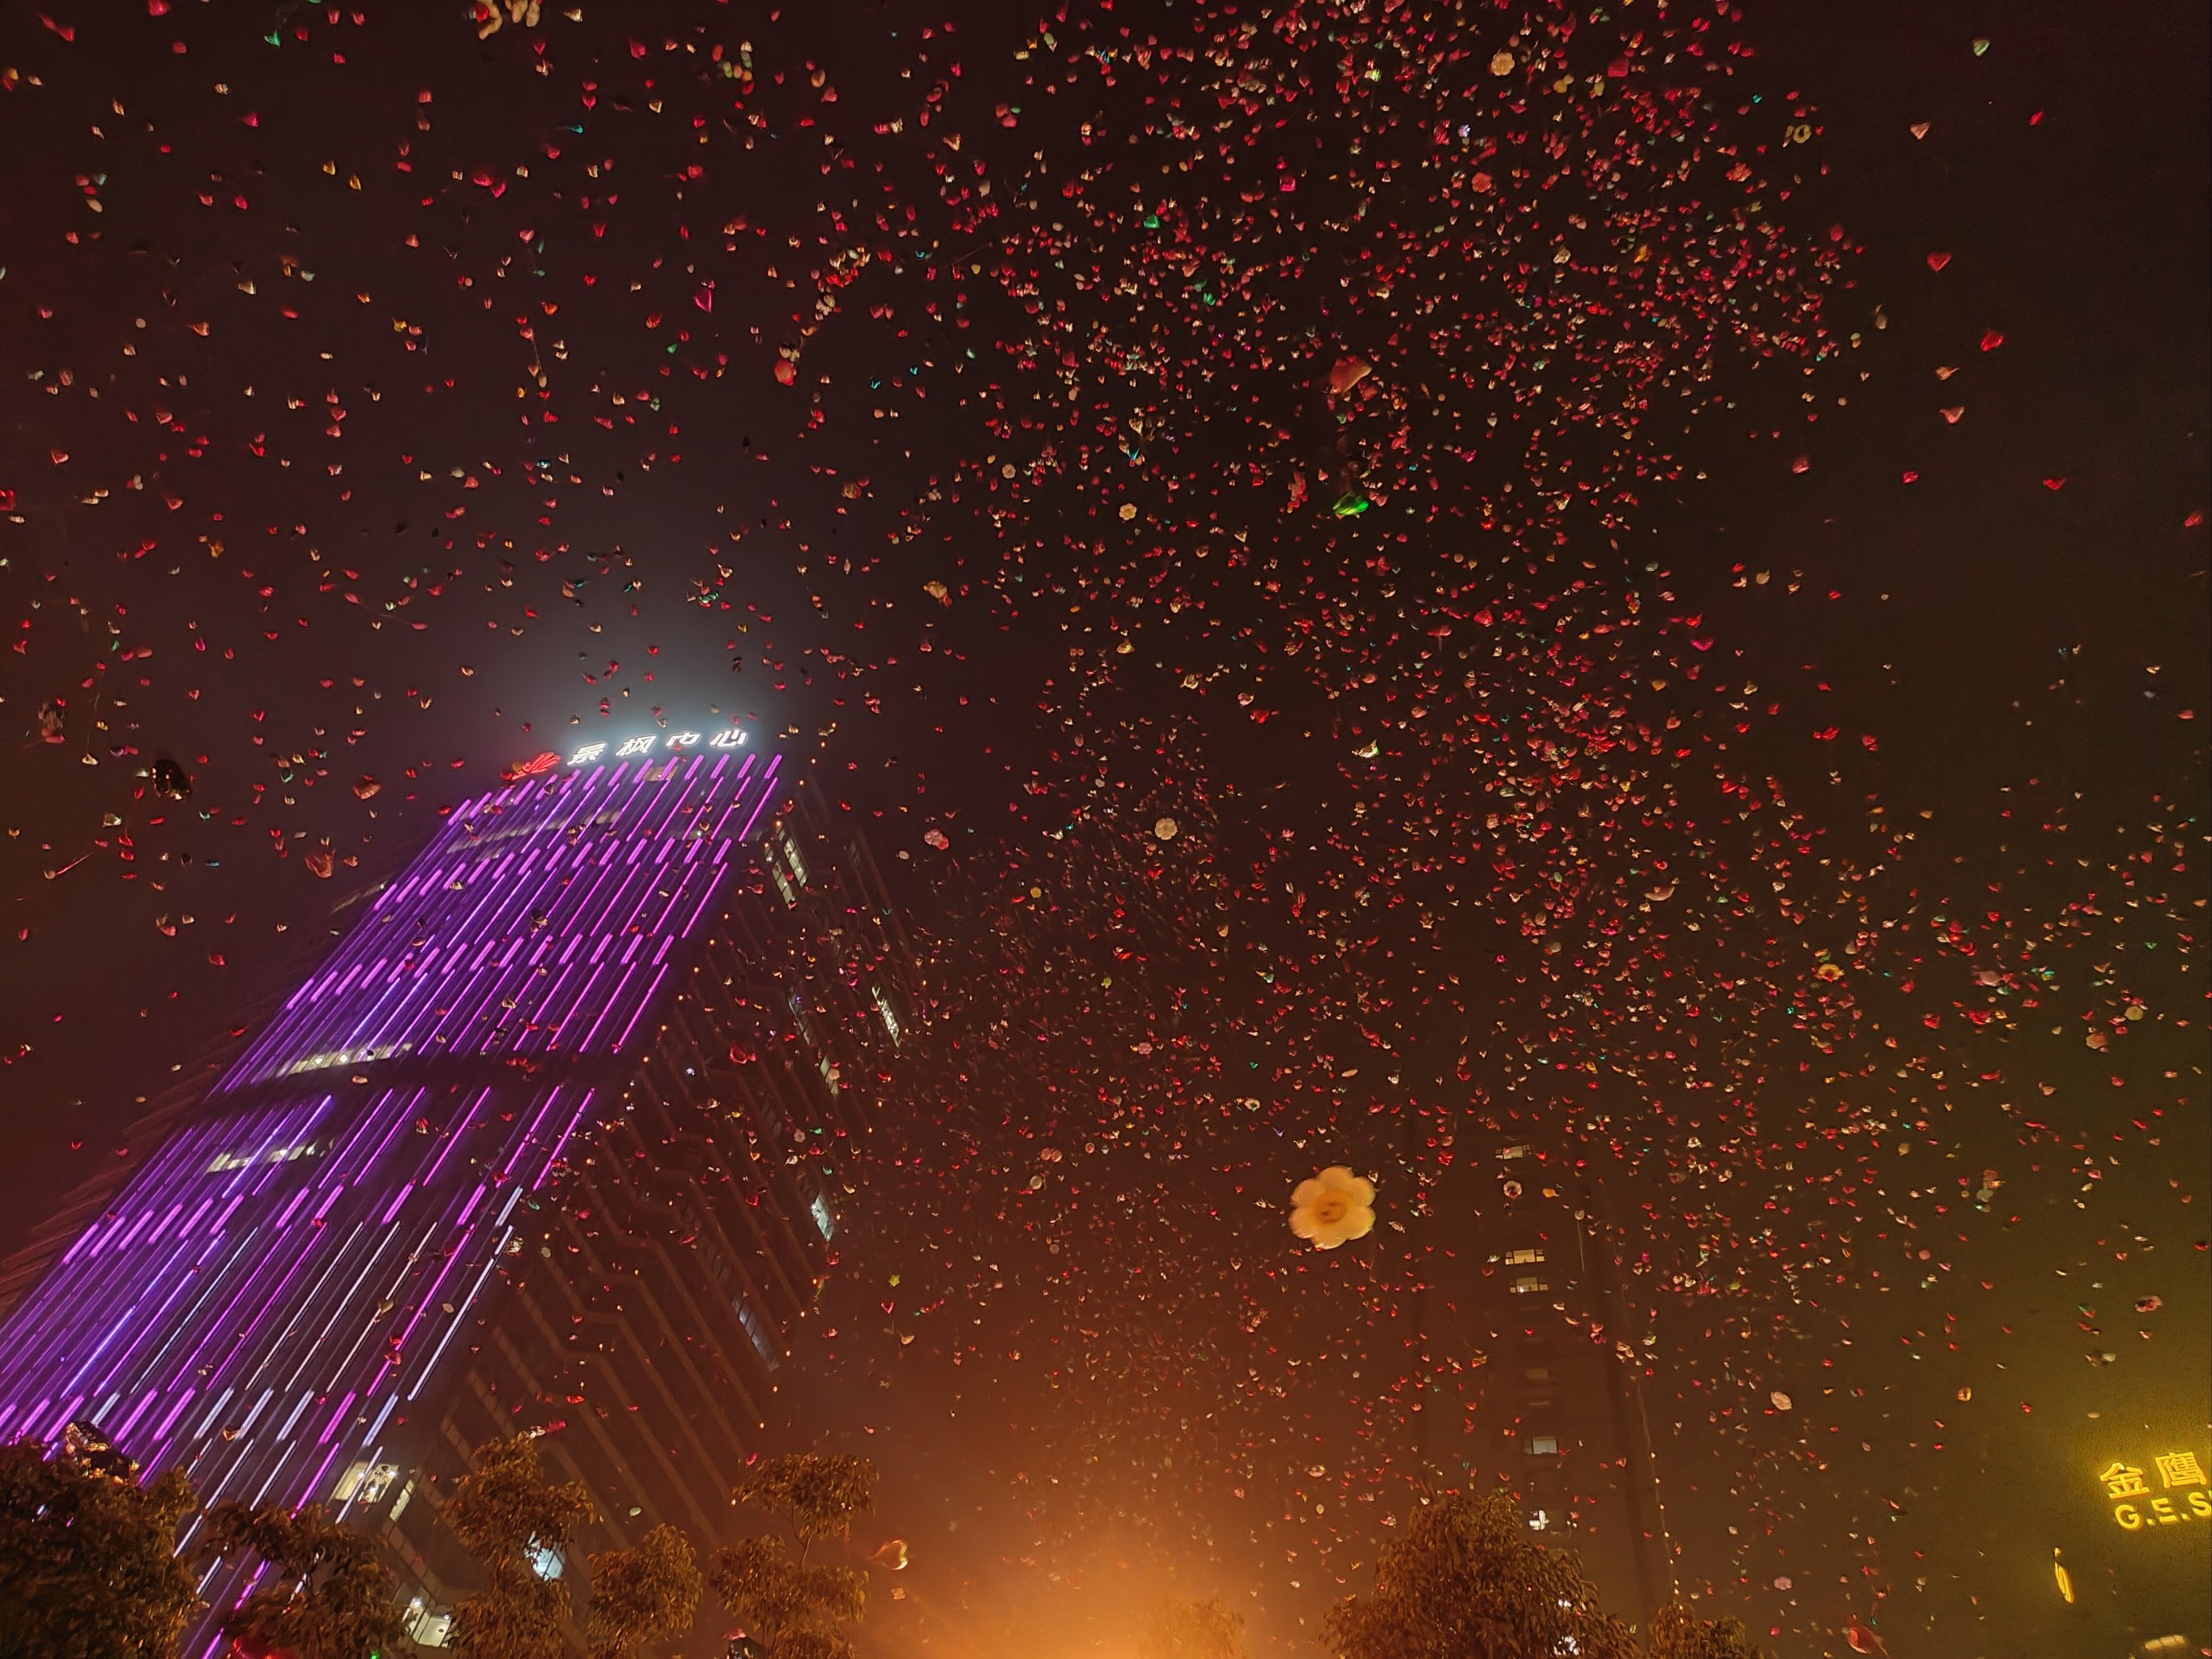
(2137, 1508)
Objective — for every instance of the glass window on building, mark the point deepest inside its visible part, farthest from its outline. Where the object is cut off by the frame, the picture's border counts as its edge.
(889, 1014)
(424, 1627)
(823, 1219)
(1543, 1445)
(545, 1560)
(366, 1482)
(1522, 1258)
(787, 847)
(1528, 1284)
(757, 1329)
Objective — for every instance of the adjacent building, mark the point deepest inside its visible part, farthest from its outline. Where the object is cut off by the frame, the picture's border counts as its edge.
(1526, 1299)
(556, 1138)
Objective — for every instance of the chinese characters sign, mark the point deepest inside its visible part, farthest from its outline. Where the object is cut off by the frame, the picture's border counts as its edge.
(2179, 1495)
(656, 743)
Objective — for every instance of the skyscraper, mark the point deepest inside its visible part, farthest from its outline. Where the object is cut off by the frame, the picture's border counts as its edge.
(1525, 1297)
(554, 1141)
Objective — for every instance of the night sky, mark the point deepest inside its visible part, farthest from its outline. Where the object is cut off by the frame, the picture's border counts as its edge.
(1635, 573)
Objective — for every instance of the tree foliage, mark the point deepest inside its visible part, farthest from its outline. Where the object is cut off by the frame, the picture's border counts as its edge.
(643, 1596)
(793, 1608)
(1179, 1629)
(1677, 1633)
(327, 1595)
(774, 1594)
(505, 1515)
(820, 1494)
(1466, 1580)
(88, 1566)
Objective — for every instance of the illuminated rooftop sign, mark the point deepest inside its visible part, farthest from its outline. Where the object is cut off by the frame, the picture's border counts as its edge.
(656, 743)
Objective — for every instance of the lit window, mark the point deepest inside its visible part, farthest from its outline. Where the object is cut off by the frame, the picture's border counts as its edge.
(545, 1560)
(1514, 1151)
(789, 848)
(423, 1628)
(829, 1072)
(889, 1014)
(822, 1218)
(1522, 1258)
(1539, 1520)
(366, 1482)
(1543, 1445)
(757, 1329)
(275, 1155)
(1527, 1284)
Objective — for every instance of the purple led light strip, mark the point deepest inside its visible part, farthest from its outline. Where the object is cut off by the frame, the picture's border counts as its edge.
(229, 1314)
(616, 897)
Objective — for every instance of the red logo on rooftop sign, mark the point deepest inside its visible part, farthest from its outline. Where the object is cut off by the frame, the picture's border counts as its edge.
(530, 767)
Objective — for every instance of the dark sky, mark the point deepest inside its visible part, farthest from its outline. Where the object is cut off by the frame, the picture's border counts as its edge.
(388, 399)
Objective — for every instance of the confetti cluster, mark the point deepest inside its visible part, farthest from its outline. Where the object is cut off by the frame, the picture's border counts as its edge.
(1185, 474)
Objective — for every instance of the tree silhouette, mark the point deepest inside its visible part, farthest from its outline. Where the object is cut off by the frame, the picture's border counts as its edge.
(643, 1596)
(1466, 1580)
(326, 1595)
(88, 1566)
(790, 1608)
(507, 1516)
(1679, 1634)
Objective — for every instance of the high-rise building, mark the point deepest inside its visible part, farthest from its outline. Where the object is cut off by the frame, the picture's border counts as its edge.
(556, 1139)
(1525, 1295)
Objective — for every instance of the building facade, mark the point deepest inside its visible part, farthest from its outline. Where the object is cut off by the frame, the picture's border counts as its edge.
(555, 1141)
(1525, 1297)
